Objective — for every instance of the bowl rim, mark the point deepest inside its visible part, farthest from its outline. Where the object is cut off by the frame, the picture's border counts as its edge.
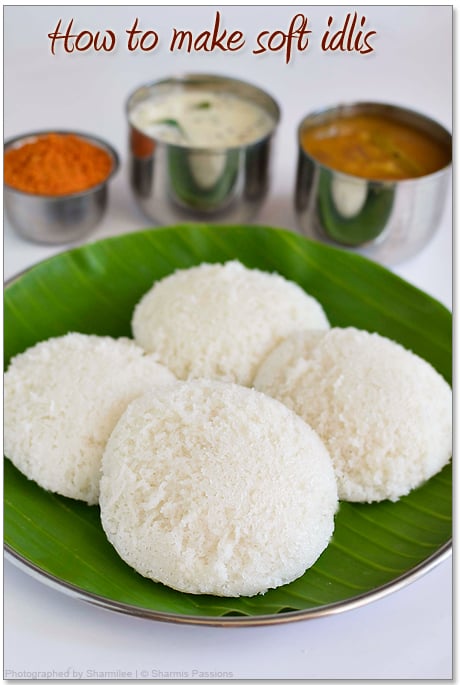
(187, 78)
(89, 137)
(384, 107)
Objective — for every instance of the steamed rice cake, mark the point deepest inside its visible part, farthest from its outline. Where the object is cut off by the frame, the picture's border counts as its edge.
(384, 413)
(220, 320)
(62, 397)
(210, 487)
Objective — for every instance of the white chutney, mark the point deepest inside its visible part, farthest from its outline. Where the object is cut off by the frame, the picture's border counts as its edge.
(201, 118)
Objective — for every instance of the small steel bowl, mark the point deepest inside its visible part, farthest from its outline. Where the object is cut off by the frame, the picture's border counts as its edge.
(388, 221)
(164, 176)
(57, 219)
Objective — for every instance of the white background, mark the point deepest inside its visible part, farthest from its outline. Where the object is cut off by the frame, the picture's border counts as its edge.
(406, 635)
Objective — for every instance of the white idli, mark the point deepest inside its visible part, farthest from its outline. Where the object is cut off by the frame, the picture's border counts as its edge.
(62, 397)
(384, 413)
(214, 488)
(220, 320)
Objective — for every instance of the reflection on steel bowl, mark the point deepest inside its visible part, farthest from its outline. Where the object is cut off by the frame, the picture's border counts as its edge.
(372, 177)
(200, 148)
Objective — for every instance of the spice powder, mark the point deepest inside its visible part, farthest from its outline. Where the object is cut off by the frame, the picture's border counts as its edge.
(56, 164)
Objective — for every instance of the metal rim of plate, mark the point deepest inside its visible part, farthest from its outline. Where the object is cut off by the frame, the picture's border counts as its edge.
(360, 600)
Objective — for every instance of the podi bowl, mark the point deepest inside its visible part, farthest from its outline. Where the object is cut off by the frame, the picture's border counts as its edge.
(165, 177)
(58, 219)
(388, 221)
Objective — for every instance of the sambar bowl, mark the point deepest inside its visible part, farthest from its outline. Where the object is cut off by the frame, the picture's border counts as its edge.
(176, 176)
(384, 219)
(56, 219)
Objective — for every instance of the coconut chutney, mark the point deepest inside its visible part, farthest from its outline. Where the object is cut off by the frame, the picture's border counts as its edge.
(202, 118)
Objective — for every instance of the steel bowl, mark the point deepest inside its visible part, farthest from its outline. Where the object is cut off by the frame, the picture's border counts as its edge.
(164, 177)
(57, 219)
(388, 221)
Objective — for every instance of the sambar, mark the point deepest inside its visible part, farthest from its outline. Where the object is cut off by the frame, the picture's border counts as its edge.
(374, 146)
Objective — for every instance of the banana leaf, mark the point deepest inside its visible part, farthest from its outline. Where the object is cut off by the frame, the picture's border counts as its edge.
(376, 548)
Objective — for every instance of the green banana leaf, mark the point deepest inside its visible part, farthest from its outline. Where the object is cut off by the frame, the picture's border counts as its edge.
(93, 289)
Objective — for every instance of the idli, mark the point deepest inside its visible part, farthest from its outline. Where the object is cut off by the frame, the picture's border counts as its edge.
(213, 488)
(220, 320)
(62, 397)
(384, 413)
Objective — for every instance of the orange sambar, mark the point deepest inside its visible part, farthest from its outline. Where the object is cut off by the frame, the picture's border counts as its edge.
(375, 147)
